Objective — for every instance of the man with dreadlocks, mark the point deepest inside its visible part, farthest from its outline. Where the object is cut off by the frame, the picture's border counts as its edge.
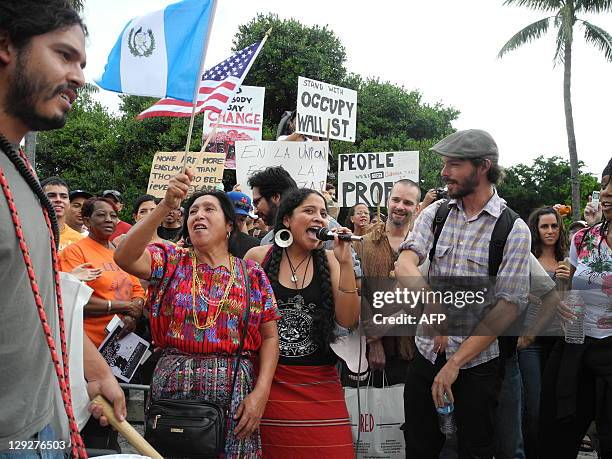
(42, 54)
(577, 383)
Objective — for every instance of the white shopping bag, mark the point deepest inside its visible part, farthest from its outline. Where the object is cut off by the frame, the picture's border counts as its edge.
(377, 424)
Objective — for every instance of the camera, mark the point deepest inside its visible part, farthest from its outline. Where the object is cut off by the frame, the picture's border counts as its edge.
(441, 193)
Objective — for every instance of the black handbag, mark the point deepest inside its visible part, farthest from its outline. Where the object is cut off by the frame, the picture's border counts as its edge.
(194, 428)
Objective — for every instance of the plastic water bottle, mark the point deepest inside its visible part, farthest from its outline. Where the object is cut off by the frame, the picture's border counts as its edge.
(574, 331)
(446, 417)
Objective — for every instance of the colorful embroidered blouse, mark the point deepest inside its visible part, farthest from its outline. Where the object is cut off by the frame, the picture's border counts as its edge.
(171, 311)
(593, 278)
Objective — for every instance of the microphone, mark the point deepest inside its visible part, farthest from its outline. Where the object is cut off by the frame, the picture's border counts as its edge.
(325, 234)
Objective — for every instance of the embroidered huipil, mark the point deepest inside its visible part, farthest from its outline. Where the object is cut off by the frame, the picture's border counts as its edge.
(171, 311)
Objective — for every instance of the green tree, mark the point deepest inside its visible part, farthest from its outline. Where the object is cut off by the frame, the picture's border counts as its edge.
(563, 16)
(292, 50)
(544, 183)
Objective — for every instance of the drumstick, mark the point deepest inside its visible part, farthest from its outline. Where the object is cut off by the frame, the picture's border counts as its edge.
(126, 429)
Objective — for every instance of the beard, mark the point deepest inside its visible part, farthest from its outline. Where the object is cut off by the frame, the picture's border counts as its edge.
(399, 221)
(464, 188)
(26, 88)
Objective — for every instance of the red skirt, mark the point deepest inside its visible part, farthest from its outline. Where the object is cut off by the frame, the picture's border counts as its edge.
(306, 415)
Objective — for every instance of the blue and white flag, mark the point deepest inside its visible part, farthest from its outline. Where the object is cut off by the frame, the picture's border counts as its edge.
(159, 54)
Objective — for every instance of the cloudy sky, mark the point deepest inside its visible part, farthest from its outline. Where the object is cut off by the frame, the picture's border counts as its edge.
(446, 49)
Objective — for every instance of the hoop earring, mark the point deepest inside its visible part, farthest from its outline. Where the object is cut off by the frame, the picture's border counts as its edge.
(283, 238)
(188, 241)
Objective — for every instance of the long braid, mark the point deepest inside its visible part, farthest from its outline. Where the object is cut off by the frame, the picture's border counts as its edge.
(324, 316)
(33, 183)
(272, 265)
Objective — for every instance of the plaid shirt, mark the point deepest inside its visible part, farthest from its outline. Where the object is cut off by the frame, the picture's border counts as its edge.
(463, 250)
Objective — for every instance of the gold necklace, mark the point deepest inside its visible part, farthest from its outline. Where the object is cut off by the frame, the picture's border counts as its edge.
(196, 290)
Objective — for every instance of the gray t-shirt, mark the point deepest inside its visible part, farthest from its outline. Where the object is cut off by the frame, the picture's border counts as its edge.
(28, 383)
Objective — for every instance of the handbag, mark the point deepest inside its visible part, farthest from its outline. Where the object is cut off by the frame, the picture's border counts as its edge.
(194, 428)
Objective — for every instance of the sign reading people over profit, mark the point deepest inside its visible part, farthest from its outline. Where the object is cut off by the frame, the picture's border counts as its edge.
(306, 162)
(242, 120)
(364, 176)
(321, 104)
(207, 168)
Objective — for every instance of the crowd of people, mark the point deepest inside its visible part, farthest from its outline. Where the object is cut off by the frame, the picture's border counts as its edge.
(246, 307)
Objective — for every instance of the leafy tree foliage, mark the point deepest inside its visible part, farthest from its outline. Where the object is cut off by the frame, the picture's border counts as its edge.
(544, 183)
(292, 50)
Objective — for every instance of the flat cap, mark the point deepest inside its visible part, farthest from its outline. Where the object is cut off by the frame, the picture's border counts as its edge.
(471, 143)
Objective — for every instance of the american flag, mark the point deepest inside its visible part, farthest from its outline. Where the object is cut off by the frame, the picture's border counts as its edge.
(218, 86)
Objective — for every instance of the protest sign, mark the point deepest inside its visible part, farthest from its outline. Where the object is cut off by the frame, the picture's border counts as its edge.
(242, 120)
(306, 162)
(207, 168)
(363, 176)
(320, 105)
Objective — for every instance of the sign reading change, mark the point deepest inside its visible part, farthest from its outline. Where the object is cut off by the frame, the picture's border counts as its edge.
(320, 105)
(364, 176)
(207, 168)
(306, 162)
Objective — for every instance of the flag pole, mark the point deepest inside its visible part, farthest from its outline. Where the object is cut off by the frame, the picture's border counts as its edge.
(196, 90)
(212, 133)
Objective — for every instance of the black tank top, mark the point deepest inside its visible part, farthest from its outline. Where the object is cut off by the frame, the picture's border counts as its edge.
(296, 325)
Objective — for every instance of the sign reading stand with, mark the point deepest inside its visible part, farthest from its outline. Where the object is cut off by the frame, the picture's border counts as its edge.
(322, 105)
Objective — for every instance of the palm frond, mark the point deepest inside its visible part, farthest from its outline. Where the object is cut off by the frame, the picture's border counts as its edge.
(542, 5)
(594, 6)
(561, 41)
(599, 38)
(526, 35)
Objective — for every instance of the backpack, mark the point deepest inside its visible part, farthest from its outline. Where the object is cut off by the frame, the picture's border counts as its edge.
(501, 230)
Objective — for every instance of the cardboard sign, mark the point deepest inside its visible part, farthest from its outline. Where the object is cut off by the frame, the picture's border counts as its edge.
(242, 120)
(321, 104)
(207, 167)
(362, 177)
(306, 162)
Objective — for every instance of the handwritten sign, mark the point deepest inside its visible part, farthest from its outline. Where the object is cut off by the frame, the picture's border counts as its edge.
(242, 120)
(364, 176)
(320, 104)
(306, 162)
(207, 167)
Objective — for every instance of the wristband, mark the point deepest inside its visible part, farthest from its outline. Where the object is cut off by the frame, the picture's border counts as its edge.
(348, 291)
(108, 309)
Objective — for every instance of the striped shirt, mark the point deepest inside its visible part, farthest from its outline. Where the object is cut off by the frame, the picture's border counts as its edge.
(463, 250)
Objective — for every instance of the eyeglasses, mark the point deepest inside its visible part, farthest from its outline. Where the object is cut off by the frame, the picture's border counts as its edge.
(362, 212)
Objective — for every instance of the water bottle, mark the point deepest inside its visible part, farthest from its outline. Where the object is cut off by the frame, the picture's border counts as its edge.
(446, 417)
(574, 331)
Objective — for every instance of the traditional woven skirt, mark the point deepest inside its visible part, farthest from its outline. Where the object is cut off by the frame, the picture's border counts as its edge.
(208, 377)
(306, 415)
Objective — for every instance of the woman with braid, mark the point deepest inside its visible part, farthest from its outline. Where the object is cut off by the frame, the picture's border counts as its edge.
(577, 381)
(316, 293)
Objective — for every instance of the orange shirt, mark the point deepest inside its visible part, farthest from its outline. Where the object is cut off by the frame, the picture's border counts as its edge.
(113, 284)
(68, 236)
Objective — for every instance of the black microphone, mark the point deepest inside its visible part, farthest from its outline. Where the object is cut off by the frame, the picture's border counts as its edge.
(325, 234)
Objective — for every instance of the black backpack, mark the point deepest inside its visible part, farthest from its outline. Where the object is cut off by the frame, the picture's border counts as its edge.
(501, 230)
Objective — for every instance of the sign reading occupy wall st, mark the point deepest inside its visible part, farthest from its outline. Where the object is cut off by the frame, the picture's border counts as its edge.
(362, 177)
(320, 105)
(207, 169)
(306, 162)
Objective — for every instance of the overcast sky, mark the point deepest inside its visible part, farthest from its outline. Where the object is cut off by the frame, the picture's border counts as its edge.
(446, 49)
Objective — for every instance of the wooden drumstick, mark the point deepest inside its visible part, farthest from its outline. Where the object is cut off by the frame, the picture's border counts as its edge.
(126, 429)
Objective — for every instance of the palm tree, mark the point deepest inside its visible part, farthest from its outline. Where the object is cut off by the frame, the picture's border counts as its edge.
(563, 16)
(30, 138)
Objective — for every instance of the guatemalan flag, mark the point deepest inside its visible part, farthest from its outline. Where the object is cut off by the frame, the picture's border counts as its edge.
(159, 54)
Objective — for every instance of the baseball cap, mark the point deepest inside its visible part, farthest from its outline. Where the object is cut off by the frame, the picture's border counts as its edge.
(471, 143)
(242, 203)
(114, 193)
(80, 194)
